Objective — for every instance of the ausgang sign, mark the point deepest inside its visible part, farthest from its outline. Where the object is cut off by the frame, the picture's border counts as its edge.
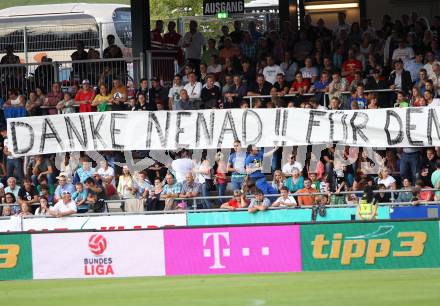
(213, 7)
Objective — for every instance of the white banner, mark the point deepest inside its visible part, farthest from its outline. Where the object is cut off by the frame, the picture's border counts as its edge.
(209, 129)
(119, 222)
(100, 254)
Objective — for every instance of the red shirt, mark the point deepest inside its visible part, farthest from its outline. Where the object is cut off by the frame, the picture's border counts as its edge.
(351, 66)
(297, 85)
(89, 95)
(234, 203)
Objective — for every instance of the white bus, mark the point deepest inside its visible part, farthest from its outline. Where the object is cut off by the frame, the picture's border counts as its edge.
(54, 29)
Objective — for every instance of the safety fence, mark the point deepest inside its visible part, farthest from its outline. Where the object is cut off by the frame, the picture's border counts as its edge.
(29, 77)
(222, 249)
(326, 96)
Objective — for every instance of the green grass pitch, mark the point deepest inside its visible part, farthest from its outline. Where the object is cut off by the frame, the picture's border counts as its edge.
(416, 287)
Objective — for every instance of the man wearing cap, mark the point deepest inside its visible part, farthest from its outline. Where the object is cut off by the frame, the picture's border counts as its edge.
(64, 206)
(84, 97)
(63, 186)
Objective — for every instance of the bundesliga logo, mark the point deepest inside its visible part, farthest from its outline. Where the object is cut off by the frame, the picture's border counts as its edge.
(98, 265)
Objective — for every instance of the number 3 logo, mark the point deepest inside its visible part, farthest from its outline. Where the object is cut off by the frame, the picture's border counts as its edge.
(9, 259)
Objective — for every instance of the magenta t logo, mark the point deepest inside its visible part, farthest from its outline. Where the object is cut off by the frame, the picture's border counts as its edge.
(233, 250)
(215, 251)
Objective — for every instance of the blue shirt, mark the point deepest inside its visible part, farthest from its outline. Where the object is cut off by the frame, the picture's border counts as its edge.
(318, 85)
(255, 162)
(414, 69)
(238, 160)
(60, 189)
(362, 102)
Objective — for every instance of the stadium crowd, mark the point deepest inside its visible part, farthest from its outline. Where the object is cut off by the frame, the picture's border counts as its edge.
(349, 67)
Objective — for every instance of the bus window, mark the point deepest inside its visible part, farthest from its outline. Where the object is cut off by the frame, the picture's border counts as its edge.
(122, 22)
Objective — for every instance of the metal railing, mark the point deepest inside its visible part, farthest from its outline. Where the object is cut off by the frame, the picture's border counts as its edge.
(195, 200)
(325, 96)
(28, 77)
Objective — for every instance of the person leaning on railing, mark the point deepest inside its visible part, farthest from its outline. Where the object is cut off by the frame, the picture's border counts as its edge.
(102, 99)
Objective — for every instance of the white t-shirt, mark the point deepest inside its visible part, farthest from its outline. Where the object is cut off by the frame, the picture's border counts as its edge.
(289, 200)
(105, 173)
(270, 73)
(287, 168)
(386, 182)
(428, 68)
(214, 69)
(60, 206)
(174, 93)
(309, 73)
(405, 54)
(181, 167)
(196, 41)
(194, 90)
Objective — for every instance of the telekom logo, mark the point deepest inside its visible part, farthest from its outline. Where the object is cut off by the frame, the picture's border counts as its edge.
(215, 251)
(218, 253)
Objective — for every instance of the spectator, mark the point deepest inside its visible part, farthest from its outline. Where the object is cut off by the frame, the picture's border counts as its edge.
(79, 70)
(210, 94)
(403, 52)
(52, 98)
(386, 179)
(112, 50)
(229, 50)
(414, 65)
(295, 181)
(27, 195)
(400, 78)
(84, 171)
(291, 164)
(309, 71)
(350, 66)
(359, 99)
(259, 202)
(63, 185)
(102, 100)
(192, 42)
(337, 85)
(271, 71)
(153, 201)
(157, 95)
(235, 93)
(95, 195)
(182, 165)
(237, 34)
(220, 180)
(11, 202)
(254, 168)
(43, 209)
(25, 210)
(248, 47)
(260, 87)
(173, 38)
(430, 61)
(285, 200)
(194, 90)
(289, 66)
(174, 92)
(156, 35)
(33, 104)
(238, 201)
(15, 99)
(66, 106)
(119, 95)
(190, 189)
(170, 192)
(278, 180)
(305, 195)
(300, 85)
(42, 167)
(126, 184)
(64, 207)
(184, 103)
(80, 198)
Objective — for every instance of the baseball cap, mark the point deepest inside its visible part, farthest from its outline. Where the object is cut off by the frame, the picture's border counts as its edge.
(62, 175)
(85, 82)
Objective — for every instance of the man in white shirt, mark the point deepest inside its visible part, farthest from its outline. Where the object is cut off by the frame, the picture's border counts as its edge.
(192, 42)
(106, 173)
(403, 52)
(63, 207)
(182, 166)
(271, 71)
(285, 200)
(430, 61)
(194, 90)
(290, 165)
